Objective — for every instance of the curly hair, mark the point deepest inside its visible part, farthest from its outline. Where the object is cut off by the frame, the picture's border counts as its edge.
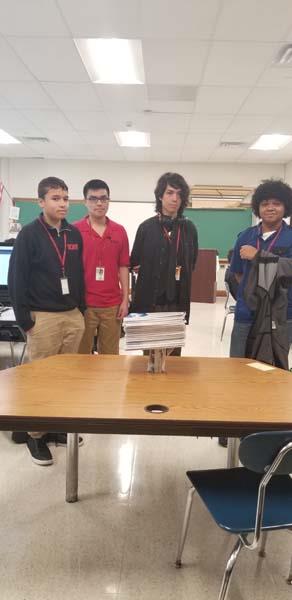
(272, 188)
(177, 182)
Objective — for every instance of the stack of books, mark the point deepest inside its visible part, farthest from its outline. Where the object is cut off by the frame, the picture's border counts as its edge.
(145, 331)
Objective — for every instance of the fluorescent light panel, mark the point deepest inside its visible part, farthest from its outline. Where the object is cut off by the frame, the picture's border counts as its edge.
(133, 139)
(274, 141)
(5, 138)
(112, 60)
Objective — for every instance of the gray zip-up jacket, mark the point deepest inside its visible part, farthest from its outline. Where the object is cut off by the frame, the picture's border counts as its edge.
(266, 293)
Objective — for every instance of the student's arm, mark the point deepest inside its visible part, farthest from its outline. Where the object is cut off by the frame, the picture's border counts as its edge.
(82, 305)
(124, 282)
(124, 260)
(19, 279)
(137, 250)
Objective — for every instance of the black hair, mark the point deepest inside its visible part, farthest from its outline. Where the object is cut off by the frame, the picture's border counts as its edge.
(95, 184)
(177, 182)
(50, 183)
(272, 188)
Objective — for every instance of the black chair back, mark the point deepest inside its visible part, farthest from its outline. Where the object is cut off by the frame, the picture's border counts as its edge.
(257, 451)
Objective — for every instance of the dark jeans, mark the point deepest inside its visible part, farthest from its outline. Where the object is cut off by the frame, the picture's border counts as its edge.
(239, 336)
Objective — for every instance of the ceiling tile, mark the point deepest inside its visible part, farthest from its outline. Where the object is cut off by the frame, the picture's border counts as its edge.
(16, 123)
(122, 97)
(168, 19)
(32, 17)
(11, 67)
(25, 94)
(151, 122)
(239, 63)
(248, 125)
(50, 60)
(220, 100)
(281, 124)
(276, 75)
(48, 120)
(254, 20)
(87, 121)
(105, 18)
(73, 96)
(174, 62)
(226, 154)
(210, 123)
(267, 101)
(170, 107)
(197, 141)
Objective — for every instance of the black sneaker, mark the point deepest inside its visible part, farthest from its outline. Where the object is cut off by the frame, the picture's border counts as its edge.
(60, 439)
(19, 437)
(39, 451)
(223, 441)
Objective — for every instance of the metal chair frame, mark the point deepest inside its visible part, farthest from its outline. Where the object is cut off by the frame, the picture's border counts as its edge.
(242, 541)
(229, 309)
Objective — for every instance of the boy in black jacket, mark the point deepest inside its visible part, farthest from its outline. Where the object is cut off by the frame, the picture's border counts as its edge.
(46, 288)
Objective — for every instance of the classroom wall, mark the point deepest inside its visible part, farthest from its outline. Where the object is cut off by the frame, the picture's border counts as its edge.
(128, 181)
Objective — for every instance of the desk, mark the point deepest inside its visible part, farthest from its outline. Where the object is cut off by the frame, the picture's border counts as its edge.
(108, 394)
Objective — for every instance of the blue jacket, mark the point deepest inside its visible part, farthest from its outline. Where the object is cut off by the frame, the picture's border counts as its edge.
(252, 236)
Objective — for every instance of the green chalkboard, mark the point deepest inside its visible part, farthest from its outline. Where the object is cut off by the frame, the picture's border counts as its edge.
(219, 228)
(30, 210)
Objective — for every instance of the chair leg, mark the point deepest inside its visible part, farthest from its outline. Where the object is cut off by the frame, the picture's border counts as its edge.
(262, 550)
(223, 328)
(184, 527)
(229, 569)
(289, 578)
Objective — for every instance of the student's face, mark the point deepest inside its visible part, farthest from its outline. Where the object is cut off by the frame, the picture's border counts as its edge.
(55, 204)
(271, 211)
(171, 201)
(97, 203)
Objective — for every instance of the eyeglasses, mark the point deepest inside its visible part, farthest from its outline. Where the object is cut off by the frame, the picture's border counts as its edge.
(102, 199)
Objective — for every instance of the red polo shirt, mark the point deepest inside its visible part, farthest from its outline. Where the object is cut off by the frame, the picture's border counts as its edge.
(110, 251)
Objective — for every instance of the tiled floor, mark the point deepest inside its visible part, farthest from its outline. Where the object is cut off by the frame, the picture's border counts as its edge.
(119, 541)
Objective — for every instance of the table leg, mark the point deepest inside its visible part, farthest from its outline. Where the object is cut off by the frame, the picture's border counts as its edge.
(72, 468)
(232, 452)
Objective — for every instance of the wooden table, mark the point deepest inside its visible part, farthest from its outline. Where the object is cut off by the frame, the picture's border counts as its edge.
(109, 394)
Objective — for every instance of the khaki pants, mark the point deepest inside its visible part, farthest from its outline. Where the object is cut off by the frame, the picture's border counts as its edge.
(102, 322)
(54, 333)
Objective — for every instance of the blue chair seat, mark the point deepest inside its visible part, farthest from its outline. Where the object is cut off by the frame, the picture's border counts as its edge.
(230, 495)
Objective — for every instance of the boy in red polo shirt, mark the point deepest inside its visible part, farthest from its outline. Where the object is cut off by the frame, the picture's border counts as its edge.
(106, 261)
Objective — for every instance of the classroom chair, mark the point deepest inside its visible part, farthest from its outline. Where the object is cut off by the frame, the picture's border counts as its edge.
(247, 501)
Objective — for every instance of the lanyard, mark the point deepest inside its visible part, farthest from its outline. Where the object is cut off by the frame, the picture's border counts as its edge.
(165, 233)
(271, 245)
(62, 258)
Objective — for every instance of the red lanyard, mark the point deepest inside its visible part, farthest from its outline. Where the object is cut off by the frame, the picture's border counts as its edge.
(62, 258)
(271, 245)
(166, 235)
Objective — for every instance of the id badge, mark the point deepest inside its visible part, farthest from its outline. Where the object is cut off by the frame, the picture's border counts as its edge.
(64, 286)
(177, 273)
(99, 274)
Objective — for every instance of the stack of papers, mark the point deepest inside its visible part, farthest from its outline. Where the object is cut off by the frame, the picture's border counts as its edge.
(145, 331)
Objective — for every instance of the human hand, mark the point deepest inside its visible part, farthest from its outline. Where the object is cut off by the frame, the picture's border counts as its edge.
(247, 252)
(123, 310)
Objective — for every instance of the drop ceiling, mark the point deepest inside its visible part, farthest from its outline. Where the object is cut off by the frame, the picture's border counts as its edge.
(210, 78)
